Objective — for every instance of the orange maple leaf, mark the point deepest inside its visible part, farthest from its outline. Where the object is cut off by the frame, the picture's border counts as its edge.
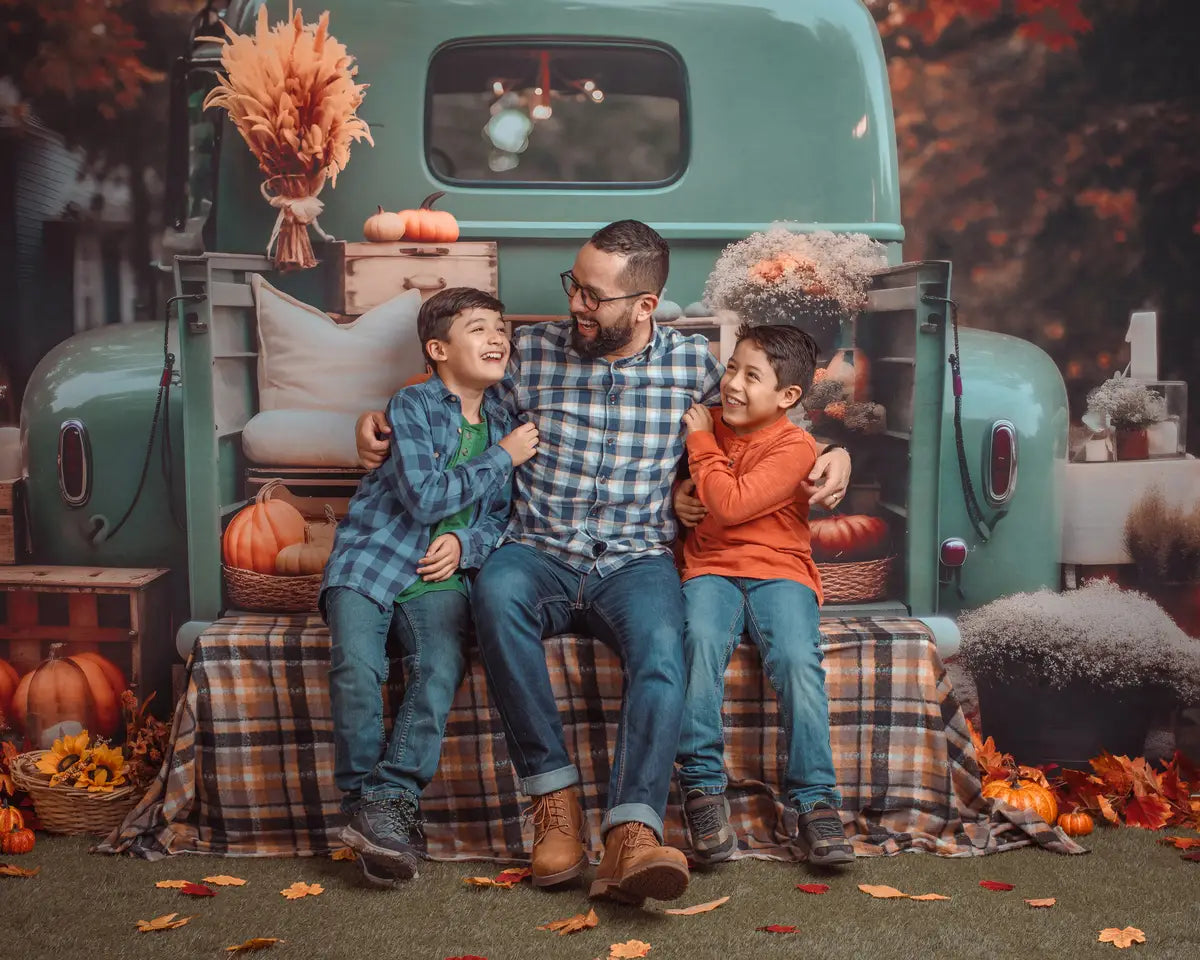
(698, 908)
(629, 950)
(166, 922)
(300, 889)
(254, 943)
(225, 881)
(881, 892)
(573, 924)
(171, 884)
(1181, 843)
(11, 870)
(1116, 772)
(1121, 938)
(1044, 902)
(343, 853)
(929, 896)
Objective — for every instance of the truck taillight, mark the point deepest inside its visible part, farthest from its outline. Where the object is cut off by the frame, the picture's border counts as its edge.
(1000, 466)
(74, 463)
(953, 552)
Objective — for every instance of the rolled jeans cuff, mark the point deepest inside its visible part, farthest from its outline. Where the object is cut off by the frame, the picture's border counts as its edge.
(632, 813)
(550, 781)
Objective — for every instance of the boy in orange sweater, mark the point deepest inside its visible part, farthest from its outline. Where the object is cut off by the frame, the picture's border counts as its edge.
(748, 566)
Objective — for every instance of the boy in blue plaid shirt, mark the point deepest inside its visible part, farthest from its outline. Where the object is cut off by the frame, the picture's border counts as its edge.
(414, 526)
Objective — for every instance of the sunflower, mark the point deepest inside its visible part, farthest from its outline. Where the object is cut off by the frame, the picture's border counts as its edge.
(105, 769)
(60, 758)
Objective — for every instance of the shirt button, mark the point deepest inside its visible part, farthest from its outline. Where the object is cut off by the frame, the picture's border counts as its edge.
(612, 398)
(611, 441)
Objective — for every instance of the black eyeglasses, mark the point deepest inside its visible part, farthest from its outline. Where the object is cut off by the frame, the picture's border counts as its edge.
(591, 299)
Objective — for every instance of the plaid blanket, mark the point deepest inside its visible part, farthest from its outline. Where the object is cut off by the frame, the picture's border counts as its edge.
(250, 772)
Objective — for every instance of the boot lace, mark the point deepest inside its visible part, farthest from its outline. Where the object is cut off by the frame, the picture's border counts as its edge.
(401, 815)
(548, 812)
(825, 828)
(706, 819)
(639, 835)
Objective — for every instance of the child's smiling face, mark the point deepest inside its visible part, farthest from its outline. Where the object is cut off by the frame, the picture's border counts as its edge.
(475, 351)
(750, 393)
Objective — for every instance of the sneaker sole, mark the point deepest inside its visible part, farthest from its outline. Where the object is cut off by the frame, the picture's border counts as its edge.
(654, 881)
(554, 879)
(715, 855)
(360, 844)
(397, 871)
(837, 858)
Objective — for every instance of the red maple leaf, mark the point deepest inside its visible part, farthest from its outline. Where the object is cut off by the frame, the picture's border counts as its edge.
(197, 890)
(813, 887)
(995, 885)
(1116, 772)
(1194, 856)
(777, 928)
(1149, 812)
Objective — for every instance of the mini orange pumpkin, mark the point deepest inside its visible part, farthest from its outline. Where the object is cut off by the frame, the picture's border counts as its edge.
(1077, 824)
(68, 688)
(384, 227)
(426, 225)
(1024, 795)
(10, 818)
(260, 530)
(848, 537)
(16, 841)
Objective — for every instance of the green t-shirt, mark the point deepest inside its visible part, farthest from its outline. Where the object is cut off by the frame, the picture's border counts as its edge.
(472, 443)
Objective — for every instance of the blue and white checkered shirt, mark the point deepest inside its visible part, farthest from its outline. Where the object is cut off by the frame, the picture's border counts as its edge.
(611, 441)
(386, 528)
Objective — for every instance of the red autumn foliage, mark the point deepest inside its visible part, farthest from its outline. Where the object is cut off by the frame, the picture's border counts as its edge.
(197, 890)
(995, 885)
(777, 928)
(813, 887)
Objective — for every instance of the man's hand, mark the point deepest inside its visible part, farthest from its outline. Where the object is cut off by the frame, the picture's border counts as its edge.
(697, 418)
(688, 507)
(441, 559)
(371, 433)
(828, 480)
(521, 444)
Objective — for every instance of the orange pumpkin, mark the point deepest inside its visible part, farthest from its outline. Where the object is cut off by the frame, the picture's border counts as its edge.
(10, 818)
(1024, 795)
(426, 225)
(848, 537)
(259, 531)
(384, 227)
(1077, 824)
(67, 688)
(8, 685)
(113, 673)
(16, 841)
(852, 370)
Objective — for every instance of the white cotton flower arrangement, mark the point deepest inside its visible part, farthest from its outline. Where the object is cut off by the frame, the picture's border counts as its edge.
(1112, 638)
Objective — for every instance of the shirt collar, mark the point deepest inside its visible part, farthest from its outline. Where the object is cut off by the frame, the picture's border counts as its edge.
(769, 433)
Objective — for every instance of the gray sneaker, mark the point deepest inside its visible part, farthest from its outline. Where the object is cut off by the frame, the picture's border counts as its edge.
(709, 832)
(823, 837)
(383, 830)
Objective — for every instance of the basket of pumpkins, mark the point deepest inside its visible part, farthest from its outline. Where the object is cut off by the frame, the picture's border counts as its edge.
(274, 559)
(851, 553)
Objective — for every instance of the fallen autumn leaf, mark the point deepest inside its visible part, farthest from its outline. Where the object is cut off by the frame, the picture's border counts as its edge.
(929, 896)
(1181, 843)
(171, 884)
(572, 924)
(254, 943)
(1121, 939)
(1045, 902)
(166, 922)
(813, 887)
(995, 885)
(628, 950)
(224, 881)
(343, 853)
(197, 890)
(698, 908)
(1194, 856)
(777, 928)
(11, 870)
(513, 875)
(881, 892)
(300, 889)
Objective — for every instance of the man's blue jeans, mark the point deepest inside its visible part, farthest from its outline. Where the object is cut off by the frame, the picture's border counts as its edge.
(432, 630)
(522, 596)
(782, 619)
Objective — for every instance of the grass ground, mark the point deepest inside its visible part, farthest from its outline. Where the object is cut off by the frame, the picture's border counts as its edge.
(85, 906)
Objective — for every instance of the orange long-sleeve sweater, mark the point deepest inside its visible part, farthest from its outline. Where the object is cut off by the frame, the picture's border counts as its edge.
(757, 523)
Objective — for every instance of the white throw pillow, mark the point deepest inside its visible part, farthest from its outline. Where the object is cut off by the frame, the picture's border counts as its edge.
(307, 361)
(300, 438)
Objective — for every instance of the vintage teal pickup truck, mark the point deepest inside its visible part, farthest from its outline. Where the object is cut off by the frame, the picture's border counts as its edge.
(715, 119)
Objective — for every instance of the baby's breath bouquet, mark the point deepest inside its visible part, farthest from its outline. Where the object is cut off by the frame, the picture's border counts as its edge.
(812, 280)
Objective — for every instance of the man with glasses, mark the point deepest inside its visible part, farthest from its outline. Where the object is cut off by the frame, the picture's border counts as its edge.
(588, 549)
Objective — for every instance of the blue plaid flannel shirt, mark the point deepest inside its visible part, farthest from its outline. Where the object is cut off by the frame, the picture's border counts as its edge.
(598, 493)
(387, 525)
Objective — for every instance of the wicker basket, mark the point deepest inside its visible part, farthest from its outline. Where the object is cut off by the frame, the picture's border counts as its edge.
(259, 591)
(858, 582)
(66, 809)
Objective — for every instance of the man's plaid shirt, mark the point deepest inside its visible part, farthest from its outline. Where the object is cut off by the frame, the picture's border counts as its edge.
(386, 528)
(598, 491)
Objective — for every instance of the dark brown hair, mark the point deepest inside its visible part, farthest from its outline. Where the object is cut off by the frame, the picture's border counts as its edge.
(791, 352)
(438, 313)
(647, 256)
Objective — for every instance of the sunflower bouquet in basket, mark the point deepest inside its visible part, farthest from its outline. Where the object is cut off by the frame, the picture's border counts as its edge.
(83, 762)
(290, 91)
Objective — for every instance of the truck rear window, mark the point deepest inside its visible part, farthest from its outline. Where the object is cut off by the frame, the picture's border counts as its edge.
(547, 113)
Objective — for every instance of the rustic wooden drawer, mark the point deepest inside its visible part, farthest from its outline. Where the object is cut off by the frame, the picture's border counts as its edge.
(12, 517)
(364, 275)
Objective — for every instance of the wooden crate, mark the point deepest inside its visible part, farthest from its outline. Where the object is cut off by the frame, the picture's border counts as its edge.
(364, 275)
(12, 515)
(122, 613)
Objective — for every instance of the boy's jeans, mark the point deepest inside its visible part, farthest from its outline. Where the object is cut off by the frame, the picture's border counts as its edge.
(433, 630)
(782, 618)
(522, 595)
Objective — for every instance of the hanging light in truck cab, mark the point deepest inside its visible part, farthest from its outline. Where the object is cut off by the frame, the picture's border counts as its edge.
(74, 463)
(1000, 463)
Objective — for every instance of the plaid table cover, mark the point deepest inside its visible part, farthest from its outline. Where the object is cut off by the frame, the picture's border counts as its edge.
(250, 772)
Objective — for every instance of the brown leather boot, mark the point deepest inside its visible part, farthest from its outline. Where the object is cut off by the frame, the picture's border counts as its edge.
(557, 837)
(636, 866)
